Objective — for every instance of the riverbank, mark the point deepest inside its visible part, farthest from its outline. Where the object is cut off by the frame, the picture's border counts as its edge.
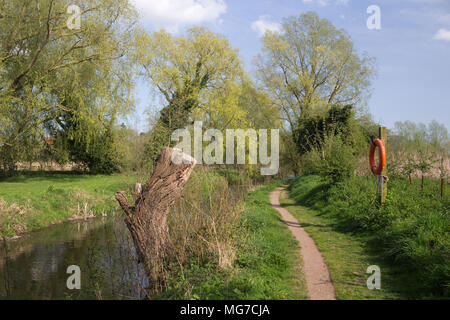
(407, 238)
(263, 262)
(266, 264)
(30, 202)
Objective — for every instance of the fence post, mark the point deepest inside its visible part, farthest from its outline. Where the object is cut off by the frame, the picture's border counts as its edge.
(383, 177)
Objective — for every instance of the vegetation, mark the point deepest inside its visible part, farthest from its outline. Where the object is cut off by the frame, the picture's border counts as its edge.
(417, 150)
(29, 202)
(264, 261)
(312, 66)
(330, 143)
(64, 92)
(410, 231)
(71, 84)
(189, 72)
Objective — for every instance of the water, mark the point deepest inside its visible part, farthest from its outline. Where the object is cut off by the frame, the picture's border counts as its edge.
(35, 266)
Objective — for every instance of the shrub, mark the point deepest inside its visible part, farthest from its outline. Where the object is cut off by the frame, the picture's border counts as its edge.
(334, 162)
(311, 132)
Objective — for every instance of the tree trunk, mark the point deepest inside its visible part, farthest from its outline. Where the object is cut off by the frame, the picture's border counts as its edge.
(422, 182)
(147, 219)
(442, 187)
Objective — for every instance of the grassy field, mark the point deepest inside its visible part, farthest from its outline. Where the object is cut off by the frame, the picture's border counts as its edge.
(408, 238)
(266, 266)
(29, 202)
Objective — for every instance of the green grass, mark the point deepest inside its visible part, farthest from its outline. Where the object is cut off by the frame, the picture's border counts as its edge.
(29, 202)
(408, 237)
(267, 265)
(346, 256)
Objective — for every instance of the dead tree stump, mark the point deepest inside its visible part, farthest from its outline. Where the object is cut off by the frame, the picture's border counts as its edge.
(147, 219)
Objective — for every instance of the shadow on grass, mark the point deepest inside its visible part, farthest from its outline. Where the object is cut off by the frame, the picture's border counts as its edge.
(56, 176)
(300, 224)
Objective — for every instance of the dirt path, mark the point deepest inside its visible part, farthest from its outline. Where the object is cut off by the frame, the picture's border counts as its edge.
(316, 271)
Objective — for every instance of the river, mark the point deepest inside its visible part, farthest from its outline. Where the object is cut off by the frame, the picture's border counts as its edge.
(35, 266)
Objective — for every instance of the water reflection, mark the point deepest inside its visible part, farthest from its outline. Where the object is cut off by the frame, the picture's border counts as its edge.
(34, 267)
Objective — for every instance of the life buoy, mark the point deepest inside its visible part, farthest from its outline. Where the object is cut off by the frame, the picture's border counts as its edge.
(382, 162)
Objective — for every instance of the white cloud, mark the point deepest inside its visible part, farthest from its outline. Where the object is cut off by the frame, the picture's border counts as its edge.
(173, 14)
(442, 34)
(263, 24)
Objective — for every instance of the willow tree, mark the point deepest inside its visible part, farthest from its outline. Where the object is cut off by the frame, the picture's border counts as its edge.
(189, 72)
(311, 66)
(51, 71)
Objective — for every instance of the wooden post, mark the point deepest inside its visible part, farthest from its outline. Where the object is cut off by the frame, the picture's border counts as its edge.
(147, 219)
(383, 177)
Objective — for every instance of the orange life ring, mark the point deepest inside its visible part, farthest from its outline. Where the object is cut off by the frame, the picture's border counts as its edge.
(382, 163)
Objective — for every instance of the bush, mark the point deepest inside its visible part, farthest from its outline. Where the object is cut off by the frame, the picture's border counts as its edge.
(334, 162)
(311, 132)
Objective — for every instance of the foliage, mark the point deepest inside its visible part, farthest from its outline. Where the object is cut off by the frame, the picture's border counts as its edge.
(49, 73)
(310, 66)
(329, 144)
(335, 161)
(264, 265)
(418, 148)
(190, 72)
(411, 228)
(310, 132)
(347, 256)
(37, 200)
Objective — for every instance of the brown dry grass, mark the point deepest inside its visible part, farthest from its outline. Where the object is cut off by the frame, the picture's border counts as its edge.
(14, 214)
(396, 162)
(203, 225)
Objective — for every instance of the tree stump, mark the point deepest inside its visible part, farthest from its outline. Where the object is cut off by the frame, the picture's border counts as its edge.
(147, 219)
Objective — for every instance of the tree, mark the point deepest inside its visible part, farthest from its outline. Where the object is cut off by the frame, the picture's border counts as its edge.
(190, 72)
(48, 70)
(424, 147)
(147, 218)
(310, 66)
(261, 111)
(310, 133)
(438, 136)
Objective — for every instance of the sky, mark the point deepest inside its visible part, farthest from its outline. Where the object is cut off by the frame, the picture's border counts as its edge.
(411, 47)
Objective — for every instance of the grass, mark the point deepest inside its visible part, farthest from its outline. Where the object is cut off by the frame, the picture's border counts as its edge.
(346, 256)
(29, 202)
(408, 237)
(266, 264)
(247, 253)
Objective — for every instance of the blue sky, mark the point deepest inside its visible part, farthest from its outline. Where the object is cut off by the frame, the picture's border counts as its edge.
(412, 48)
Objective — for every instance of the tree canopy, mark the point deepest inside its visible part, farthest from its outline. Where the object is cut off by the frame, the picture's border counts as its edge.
(56, 78)
(310, 66)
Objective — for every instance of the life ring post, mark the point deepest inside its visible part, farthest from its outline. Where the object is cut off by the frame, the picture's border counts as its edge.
(384, 187)
(380, 169)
